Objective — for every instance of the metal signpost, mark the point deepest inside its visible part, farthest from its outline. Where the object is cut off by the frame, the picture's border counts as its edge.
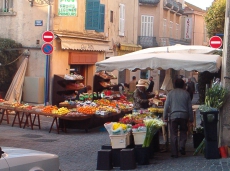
(47, 49)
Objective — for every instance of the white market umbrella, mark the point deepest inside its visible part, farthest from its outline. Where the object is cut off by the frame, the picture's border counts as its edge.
(198, 49)
(177, 61)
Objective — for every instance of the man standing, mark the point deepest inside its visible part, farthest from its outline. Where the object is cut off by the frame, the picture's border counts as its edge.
(151, 85)
(178, 109)
(132, 84)
(191, 88)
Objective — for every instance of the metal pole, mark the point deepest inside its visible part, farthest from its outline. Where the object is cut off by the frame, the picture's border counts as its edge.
(47, 71)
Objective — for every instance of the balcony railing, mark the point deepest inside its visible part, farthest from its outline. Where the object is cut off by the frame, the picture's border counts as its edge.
(168, 3)
(181, 10)
(149, 2)
(175, 6)
(147, 41)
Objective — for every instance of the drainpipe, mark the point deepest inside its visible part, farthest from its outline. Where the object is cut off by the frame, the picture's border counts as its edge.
(47, 67)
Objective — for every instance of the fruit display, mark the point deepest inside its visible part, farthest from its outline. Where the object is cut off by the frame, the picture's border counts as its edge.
(73, 77)
(60, 111)
(49, 109)
(75, 114)
(87, 110)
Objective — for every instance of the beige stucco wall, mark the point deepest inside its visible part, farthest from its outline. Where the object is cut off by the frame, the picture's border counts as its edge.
(21, 28)
(197, 35)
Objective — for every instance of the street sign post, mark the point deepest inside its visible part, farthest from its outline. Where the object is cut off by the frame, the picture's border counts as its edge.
(48, 36)
(215, 42)
(47, 48)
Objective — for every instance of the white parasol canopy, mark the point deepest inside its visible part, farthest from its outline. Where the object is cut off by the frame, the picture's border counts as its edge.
(177, 49)
(178, 57)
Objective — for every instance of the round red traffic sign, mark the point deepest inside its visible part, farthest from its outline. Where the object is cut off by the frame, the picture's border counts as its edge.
(47, 48)
(215, 42)
(48, 36)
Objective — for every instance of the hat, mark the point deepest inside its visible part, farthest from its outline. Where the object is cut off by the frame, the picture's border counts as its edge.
(142, 82)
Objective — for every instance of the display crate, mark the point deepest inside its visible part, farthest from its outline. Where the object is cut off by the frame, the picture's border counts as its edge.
(139, 137)
(119, 141)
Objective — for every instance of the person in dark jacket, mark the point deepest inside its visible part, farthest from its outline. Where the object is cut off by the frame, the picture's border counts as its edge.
(190, 88)
(178, 110)
(151, 85)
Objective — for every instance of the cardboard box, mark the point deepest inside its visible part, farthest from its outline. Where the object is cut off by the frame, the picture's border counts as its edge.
(119, 141)
(139, 137)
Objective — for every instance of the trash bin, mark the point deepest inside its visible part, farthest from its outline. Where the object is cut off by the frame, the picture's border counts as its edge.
(210, 132)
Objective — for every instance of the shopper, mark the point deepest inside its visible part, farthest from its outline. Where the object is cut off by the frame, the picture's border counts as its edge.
(191, 88)
(141, 96)
(132, 84)
(151, 85)
(178, 111)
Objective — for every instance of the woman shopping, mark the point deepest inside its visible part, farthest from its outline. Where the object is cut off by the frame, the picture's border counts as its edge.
(142, 98)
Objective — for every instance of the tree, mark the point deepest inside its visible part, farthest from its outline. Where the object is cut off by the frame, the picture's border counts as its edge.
(215, 18)
(8, 65)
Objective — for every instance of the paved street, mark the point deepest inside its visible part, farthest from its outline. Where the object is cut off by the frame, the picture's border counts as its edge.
(77, 150)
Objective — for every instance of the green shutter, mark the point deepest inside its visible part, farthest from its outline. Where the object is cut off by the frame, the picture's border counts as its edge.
(92, 14)
(101, 18)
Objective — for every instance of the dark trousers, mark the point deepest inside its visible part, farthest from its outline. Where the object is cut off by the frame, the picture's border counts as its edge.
(176, 124)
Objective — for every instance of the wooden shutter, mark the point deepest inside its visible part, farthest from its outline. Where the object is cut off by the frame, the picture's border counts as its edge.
(122, 20)
(92, 14)
(101, 18)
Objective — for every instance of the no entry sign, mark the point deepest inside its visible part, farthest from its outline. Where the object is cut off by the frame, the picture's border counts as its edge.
(47, 48)
(48, 36)
(215, 42)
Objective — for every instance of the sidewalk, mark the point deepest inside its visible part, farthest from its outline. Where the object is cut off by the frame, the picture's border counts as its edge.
(77, 150)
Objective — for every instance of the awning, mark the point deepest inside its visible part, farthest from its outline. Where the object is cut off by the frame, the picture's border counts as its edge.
(130, 47)
(81, 44)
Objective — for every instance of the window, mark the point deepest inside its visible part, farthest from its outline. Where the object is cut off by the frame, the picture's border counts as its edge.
(111, 16)
(6, 5)
(95, 15)
(147, 25)
(171, 29)
(122, 20)
(177, 31)
(164, 28)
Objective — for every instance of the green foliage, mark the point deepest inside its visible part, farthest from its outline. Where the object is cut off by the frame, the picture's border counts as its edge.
(215, 96)
(7, 56)
(215, 18)
(203, 79)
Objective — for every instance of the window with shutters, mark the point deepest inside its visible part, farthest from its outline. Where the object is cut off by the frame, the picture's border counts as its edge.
(6, 5)
(164, 28)
(177, 31)
(147, 25)
(171, 29)
(121, 20)
(95, 15)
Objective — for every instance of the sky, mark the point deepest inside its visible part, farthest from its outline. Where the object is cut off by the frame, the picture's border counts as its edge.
(201, 3)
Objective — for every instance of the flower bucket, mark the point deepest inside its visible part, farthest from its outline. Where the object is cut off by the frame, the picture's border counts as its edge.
(223, 152)
(142, 155)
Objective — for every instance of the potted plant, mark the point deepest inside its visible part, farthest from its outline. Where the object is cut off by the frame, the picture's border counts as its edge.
(214, 100)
